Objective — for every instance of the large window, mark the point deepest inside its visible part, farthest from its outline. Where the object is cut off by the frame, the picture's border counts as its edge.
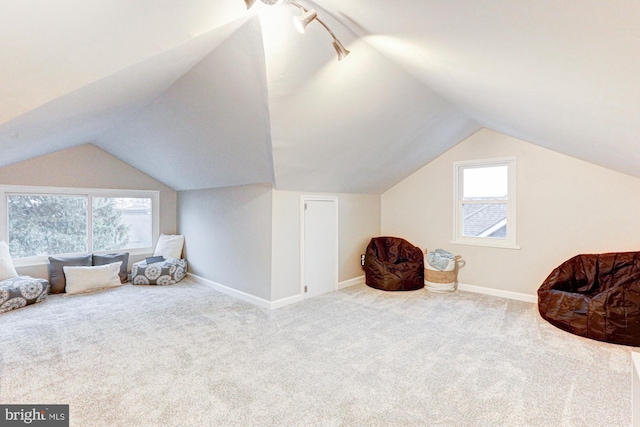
(42, 225)
(40, 222)
(121, 222)
(485, 203)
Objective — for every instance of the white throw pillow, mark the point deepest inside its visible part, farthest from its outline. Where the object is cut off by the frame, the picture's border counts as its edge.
(86, 279)
(169, 246)
(7, 270)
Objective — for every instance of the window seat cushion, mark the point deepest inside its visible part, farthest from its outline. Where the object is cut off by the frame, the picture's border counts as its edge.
(21, 291)
(167, 272)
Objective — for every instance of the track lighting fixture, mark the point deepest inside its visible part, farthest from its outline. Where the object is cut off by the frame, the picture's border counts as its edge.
(305, 19)
(301, 22)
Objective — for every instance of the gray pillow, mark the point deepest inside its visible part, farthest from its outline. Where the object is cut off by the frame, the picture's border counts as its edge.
(57, 280)
(111, 258)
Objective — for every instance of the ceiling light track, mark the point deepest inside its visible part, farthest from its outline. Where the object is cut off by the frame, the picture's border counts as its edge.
(301, 22)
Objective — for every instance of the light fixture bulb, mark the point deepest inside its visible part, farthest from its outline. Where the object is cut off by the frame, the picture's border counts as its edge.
(301, 22)
(342, 51)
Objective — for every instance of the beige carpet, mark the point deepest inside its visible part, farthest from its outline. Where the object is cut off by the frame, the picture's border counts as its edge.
(186, 355)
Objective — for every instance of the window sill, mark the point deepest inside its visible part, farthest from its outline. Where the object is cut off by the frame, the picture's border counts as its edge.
(44, 260)
(497, 245)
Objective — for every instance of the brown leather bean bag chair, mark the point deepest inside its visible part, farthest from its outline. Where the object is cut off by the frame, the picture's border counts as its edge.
(393, 264)
(595, 296)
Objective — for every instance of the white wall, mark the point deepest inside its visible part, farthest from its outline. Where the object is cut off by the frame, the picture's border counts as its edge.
(564, 207)
(87, 166)
(285, 273)
(247, 238)
(358, 221)
(228, 236)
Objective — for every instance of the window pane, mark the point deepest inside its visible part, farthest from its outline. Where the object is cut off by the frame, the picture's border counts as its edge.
(46, 225)
(484, 220)
(121, 222)
(485, 183)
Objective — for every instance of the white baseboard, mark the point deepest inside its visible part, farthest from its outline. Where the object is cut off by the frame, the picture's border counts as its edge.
(286, 301)
(635, 389)
(498, 293)
(272, 305)
(260, 302)
(351, 282)
(252, 299)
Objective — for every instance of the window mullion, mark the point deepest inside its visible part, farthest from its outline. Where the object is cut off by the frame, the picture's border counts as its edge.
(59, 196)
(4, 218)
(89, 223)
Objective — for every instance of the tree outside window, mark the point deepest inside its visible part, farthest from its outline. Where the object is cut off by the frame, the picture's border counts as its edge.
(41, 225)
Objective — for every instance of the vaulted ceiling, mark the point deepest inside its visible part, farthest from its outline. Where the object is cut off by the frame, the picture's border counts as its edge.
(205, 94)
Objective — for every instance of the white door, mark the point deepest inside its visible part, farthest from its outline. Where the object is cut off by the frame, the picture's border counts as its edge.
(319, 246)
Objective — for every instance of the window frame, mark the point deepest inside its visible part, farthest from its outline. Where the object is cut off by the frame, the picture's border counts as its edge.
(89, 193)
(458, 186)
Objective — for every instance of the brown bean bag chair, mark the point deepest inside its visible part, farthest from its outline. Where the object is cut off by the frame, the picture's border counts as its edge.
(393, 264)
(595, 296)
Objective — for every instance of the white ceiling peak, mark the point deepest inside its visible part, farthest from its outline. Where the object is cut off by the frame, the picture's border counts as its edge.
(211, 127)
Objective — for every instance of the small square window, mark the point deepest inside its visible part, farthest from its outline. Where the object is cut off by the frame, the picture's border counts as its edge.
(485, 202)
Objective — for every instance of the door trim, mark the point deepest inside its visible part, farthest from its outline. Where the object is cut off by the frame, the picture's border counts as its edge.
(303, 200)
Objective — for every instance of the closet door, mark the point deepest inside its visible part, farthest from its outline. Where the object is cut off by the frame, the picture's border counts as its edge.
(319, 245)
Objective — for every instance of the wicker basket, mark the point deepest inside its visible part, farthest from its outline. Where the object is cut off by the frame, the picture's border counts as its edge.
(442, 281)
(440, 277)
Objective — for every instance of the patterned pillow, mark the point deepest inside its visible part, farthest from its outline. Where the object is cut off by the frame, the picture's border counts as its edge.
(20, 291)
(167, 272)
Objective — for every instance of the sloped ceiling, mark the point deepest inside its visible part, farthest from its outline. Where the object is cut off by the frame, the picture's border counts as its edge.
(207, 129)
(82, 114)
(205, 94)
(561, 74)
